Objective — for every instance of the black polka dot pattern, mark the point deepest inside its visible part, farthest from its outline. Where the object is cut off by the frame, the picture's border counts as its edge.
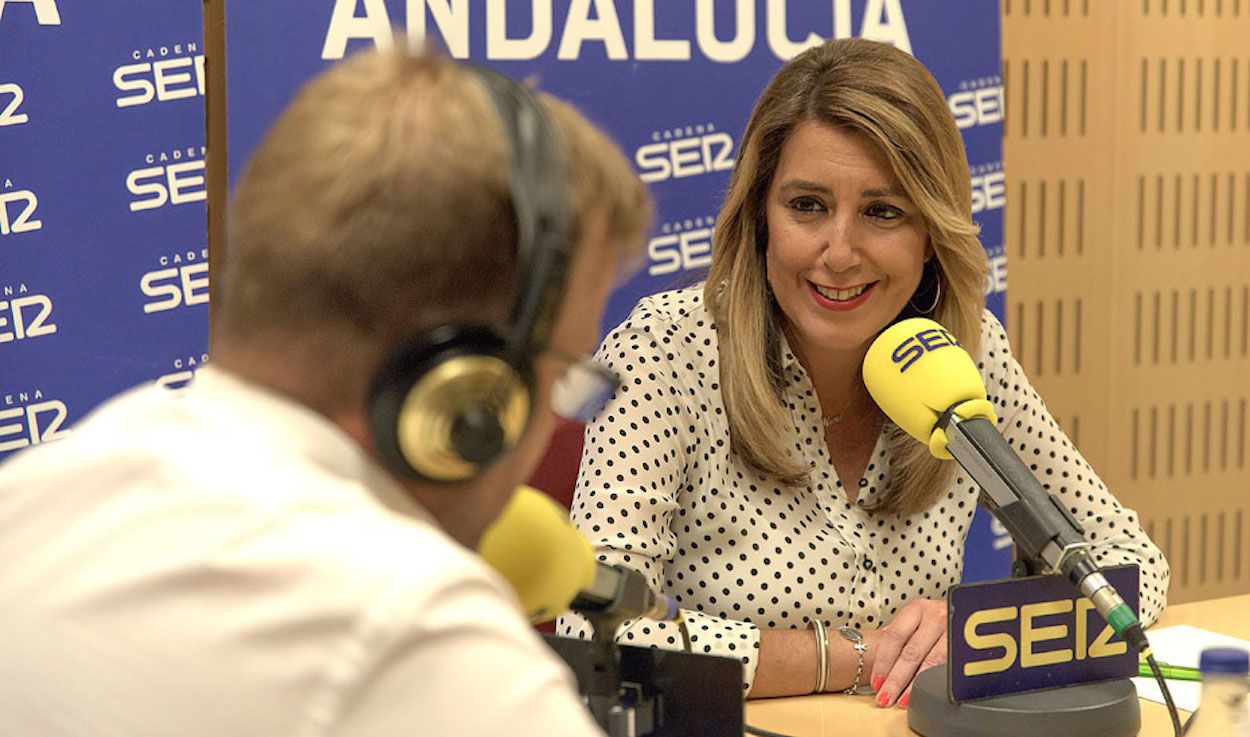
(660, 490)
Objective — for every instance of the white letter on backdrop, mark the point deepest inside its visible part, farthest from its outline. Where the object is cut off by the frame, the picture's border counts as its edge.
(46, 13)
(646, 45)
(344, 26)
(890, 29)
(579, 28)
(452, 19)
(778, 41)
(499, 46)
(744, 35)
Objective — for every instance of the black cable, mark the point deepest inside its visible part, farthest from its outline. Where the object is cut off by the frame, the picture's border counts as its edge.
(761, 732)
(1189, 722)
(1167, 695)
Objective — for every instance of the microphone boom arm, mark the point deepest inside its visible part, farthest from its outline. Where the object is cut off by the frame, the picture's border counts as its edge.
(1046, 534)
(1044, 531)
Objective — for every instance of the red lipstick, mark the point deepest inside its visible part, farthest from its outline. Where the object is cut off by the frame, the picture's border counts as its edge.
(839, 305)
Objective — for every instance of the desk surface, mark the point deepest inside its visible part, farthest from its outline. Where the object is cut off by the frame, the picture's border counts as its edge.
(835, 714)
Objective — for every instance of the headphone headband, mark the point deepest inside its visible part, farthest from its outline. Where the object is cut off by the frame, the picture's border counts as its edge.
(451, 401)
(538, 178)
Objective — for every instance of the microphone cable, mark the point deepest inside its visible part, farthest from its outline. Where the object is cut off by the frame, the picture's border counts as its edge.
(761, 732)
(1163, 686)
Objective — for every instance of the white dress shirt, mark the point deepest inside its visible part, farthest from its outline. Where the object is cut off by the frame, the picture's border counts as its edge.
(661, 490)
(228, 563)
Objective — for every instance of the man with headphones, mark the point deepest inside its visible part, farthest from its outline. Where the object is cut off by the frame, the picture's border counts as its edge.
(419, 252)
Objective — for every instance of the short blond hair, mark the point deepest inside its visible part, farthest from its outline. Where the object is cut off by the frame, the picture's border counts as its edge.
(379, 204)
(890, 98)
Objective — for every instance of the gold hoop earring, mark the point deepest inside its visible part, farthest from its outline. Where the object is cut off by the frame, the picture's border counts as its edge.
(937, 296)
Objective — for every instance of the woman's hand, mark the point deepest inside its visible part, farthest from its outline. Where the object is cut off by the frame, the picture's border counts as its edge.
(914, 641)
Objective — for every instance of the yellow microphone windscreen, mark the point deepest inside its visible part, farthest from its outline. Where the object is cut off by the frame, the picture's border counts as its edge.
(545, 558)
(916, 370)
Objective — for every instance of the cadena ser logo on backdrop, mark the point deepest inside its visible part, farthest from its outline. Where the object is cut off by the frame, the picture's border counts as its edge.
(160, 74)
(978, 102)
(11, 98)
(596, 24)
(46, 12)
(24, 315)
(18, 208)
(29, 418)
(684, 152)
(989, 187)
(174, 177)
(183, 372)
(682, 245)
(182, 280)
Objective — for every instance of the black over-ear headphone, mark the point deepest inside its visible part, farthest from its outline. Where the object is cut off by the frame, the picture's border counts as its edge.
(449, 402)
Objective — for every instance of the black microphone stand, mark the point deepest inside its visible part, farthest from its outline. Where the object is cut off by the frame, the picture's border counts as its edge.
(1047, 540)
(643, 691)
(623, 709)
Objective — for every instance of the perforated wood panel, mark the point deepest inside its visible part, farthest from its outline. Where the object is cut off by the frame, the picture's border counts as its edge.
(1127, 157)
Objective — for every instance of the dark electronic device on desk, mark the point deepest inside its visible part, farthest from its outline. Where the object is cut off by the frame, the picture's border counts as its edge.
(631, 691)
(929, 386)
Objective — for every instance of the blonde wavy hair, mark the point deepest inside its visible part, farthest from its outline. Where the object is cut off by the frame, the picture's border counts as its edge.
(891, 99)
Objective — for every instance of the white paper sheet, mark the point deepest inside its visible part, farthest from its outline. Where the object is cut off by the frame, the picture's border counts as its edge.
(1182, 645)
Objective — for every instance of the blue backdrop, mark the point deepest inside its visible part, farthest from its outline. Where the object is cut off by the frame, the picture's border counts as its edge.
(103, 260)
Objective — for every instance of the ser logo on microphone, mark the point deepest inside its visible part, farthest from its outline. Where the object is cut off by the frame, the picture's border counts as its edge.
(1024, 634)
(912, 349)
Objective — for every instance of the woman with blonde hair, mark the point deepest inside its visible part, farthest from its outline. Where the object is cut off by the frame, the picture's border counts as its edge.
(743, 465)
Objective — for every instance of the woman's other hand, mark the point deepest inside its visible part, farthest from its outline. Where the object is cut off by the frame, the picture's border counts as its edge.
(914, 641)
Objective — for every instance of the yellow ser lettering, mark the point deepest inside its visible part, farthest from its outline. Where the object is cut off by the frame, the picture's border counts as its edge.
(978, 641)
(1081, 625)
(1030, 635)
(1102, 648)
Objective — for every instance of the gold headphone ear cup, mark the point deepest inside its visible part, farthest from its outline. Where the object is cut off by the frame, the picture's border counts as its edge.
(461, 416)
(447, 403)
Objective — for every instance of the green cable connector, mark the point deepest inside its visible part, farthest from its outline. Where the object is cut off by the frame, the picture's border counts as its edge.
(1120, 618)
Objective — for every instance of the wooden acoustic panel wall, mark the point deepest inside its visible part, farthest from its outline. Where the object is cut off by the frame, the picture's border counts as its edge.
(1127, 154)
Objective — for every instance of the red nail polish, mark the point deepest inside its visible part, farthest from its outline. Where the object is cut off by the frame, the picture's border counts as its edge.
(883, 699)
(903, 701)
(876, 683)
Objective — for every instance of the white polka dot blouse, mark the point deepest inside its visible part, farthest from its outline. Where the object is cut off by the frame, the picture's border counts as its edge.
(660, 490)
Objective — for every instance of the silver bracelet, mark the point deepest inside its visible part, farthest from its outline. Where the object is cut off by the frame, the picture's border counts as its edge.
(857, 640)
(822, 656)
